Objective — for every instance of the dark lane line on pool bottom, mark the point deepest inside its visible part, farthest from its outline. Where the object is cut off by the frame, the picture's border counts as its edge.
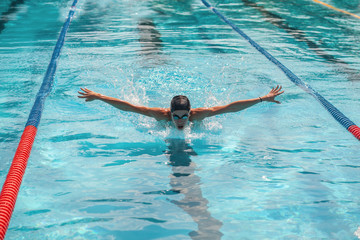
(5, 15)
(276, 20)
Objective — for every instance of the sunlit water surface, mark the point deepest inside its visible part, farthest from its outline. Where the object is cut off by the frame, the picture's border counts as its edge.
(286, 171)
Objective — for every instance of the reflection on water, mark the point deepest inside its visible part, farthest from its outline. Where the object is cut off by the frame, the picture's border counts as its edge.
(184, 180)
(172, 8)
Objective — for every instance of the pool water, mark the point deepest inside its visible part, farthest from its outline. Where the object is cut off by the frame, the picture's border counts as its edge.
(273, 171)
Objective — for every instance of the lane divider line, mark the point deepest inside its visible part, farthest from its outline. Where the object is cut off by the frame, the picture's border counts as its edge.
(337, 9)
(17, 169)
(338, 116)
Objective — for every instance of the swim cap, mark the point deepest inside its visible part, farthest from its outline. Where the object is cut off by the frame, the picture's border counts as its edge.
(180, 102)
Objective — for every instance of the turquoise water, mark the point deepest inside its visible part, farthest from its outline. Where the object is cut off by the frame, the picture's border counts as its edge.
(287, 171)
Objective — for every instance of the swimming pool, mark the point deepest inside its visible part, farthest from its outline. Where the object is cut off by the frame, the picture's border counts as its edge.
(286, 171)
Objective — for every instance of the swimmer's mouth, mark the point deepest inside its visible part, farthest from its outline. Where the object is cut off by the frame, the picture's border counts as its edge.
(180, 127)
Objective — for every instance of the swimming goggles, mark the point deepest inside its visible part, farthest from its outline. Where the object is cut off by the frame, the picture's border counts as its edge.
(176, 117)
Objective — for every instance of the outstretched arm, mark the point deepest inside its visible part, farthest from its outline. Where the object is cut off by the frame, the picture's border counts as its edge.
(157, 113)
(201, 113)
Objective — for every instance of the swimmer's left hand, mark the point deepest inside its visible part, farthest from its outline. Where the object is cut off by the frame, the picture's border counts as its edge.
(270, 97)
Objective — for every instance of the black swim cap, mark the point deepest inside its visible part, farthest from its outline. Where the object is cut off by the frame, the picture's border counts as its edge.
(180, 102)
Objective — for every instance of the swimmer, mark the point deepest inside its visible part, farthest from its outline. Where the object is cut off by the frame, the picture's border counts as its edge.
(180, 111)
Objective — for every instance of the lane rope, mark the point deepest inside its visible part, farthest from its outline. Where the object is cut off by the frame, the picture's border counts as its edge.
(337, 9)
(16, 172)
(338, 116)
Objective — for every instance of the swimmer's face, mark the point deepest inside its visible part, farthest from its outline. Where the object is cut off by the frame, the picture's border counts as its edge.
(180, 118)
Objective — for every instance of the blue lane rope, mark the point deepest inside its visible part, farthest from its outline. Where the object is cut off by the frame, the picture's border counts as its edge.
(340, 117)
(45, 89)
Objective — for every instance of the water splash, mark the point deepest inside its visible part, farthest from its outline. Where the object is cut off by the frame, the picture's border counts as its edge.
(357, 233)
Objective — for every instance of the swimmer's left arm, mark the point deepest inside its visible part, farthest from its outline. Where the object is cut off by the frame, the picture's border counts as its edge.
(201, 113)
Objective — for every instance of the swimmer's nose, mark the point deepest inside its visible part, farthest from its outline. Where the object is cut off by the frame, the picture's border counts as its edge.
(181, 121)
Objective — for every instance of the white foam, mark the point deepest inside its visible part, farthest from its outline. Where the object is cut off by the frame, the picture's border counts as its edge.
(265, 178)
(357, 233)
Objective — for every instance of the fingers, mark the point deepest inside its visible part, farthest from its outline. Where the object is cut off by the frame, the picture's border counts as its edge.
(276, 90)
(84, 94)
(85, 90)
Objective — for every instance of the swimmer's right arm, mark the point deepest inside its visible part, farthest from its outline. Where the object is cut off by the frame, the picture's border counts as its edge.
(157, 113)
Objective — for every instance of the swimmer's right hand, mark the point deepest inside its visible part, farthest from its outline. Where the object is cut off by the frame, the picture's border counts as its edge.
(88, 94)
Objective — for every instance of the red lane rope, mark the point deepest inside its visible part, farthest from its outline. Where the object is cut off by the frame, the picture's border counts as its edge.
(13, 180)
(355, 130)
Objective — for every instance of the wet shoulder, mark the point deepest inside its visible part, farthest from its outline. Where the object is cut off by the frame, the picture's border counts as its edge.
(163, 114)
(198, 114)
